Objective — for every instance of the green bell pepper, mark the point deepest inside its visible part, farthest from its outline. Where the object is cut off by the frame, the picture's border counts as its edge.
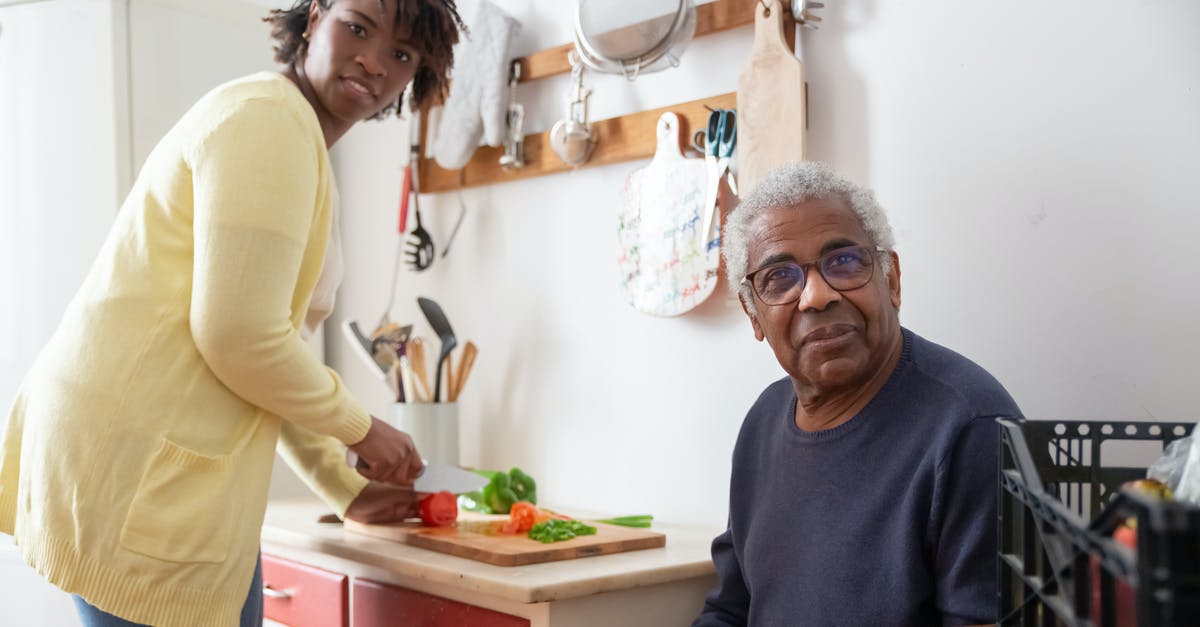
(498, 495)
(522, 485)
(502, 491)
(474, 502)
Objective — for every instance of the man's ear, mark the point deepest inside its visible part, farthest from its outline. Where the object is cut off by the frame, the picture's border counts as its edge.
(758, 331)
(893, 276)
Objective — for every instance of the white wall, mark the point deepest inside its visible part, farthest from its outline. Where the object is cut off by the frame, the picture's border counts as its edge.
(1039, 169)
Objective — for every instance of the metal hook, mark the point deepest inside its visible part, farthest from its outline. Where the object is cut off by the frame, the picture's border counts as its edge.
(514, 120)
(577, 102)
(802, 12)
(514, 73)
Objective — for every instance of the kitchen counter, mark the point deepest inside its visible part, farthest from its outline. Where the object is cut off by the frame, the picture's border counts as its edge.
(667, 583)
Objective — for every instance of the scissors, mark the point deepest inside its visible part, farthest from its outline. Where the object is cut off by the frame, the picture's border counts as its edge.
(720, 137)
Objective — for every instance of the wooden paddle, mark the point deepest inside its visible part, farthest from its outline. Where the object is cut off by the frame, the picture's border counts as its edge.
(770, 101)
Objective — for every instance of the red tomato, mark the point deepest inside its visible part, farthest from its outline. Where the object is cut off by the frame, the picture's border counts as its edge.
(1122, 594)
(521, 517)
(1126, 535)
(438, 510)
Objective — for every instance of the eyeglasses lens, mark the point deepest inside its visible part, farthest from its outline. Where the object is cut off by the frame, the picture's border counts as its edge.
(843, 269)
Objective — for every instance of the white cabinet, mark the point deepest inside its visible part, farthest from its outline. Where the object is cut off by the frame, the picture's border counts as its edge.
(87, 87)
(26, 598)
(63, 164)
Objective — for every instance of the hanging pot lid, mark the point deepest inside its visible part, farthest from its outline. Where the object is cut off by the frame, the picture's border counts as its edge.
(648, 36)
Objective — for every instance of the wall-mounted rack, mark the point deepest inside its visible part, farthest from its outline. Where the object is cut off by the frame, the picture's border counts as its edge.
(623, 138)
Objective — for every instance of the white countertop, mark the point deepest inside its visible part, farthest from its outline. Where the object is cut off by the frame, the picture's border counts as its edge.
(292, 527)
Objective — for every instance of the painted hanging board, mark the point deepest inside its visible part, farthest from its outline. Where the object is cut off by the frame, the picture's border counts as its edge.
(666, 267)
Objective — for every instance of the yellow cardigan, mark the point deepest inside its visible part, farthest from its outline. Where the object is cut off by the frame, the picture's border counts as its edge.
(137, 456)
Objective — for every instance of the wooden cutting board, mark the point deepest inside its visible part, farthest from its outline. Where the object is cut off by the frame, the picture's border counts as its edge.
(477, 537)
(770, 102)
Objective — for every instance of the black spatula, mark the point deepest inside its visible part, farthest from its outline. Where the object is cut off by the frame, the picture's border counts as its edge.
(437, 320)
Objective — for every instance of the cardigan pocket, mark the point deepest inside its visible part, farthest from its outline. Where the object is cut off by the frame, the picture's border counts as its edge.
(180, 512)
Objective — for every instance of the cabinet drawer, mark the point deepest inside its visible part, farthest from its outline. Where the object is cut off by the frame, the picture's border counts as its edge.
(302, 596)
(377, 605)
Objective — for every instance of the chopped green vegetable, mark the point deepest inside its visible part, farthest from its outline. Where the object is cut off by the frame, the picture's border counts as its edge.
(555, 530)
(640, 520)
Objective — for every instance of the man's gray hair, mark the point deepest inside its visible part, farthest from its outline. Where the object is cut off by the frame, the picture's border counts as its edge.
(786, 187)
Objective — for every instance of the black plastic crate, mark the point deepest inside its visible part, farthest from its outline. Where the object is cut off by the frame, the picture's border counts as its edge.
(1059, 504)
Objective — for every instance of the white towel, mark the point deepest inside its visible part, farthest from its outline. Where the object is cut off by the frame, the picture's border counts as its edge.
(478, 98)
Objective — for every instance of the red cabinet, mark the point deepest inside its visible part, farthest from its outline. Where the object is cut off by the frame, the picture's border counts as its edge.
(379, 605)
(303, 596)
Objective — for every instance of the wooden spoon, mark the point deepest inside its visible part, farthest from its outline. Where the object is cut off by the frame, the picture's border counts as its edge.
(416, 355)
(464, 368)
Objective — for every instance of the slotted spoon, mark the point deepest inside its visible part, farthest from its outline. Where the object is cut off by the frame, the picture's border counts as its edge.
(420, 251)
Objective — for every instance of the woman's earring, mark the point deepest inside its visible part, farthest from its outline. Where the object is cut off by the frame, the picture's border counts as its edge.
(305, 36)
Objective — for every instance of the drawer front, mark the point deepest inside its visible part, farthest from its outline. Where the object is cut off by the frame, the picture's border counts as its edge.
(377, 605)
(302, 596)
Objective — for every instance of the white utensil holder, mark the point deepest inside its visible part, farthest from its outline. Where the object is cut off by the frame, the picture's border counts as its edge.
(432, 426)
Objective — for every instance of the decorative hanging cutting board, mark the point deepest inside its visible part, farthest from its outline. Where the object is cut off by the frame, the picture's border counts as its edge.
(771, 101)
(666, 269)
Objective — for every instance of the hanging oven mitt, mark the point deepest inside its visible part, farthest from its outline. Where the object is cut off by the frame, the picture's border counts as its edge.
(665, 269)
(478, 98)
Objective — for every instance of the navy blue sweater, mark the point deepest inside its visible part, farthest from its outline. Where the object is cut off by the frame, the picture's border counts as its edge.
(886, 519)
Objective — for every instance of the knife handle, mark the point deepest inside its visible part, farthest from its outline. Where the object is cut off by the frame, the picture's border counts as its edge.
(354, 461)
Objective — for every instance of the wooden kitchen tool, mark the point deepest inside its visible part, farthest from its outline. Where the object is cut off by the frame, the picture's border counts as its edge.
(416, 357)
(470, 351)
(771, 101)
(475, 538)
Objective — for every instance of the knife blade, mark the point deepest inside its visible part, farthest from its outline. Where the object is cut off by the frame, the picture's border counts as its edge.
(437, 477)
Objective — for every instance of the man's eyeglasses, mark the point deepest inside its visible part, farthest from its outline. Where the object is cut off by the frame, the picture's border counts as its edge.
(843, 269)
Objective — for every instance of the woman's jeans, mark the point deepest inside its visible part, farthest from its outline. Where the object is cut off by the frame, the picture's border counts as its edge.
(252, 611)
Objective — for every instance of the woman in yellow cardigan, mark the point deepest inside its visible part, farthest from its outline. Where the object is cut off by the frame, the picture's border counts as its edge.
(137, 456)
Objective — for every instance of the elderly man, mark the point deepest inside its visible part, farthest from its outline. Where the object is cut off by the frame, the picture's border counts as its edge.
(864, 482)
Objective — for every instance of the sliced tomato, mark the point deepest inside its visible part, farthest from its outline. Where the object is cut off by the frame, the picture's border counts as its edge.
(439, 509)
(521, 517)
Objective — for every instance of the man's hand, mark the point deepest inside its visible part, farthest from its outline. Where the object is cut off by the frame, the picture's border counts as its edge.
(383, 503)
(388, 454)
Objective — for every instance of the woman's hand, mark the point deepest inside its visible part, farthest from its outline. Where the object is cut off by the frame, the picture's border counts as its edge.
(383, 503)
(388, 454)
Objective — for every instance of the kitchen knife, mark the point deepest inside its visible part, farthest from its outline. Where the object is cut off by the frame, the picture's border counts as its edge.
(437, 477)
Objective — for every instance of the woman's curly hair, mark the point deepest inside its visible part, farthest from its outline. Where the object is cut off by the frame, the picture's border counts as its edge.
(435, 29)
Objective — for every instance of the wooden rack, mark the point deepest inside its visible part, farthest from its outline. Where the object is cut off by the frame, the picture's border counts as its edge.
(623, 138)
